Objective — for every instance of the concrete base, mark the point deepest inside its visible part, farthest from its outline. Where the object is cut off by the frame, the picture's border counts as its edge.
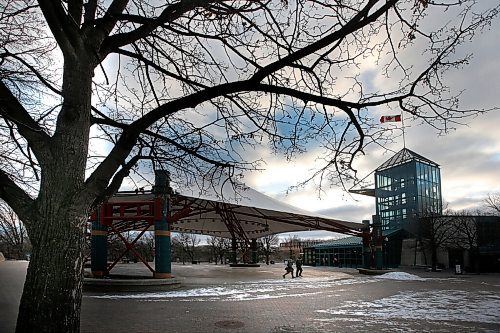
(129, 283)
(367, 271)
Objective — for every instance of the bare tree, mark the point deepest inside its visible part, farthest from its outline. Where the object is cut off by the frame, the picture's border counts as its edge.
(176, 250)
(117, 247)
(492, 202)
(142, 248)
(437, 232)
(147, 245)
(467, 235)
(268, 245)
(95, 91)
(293, 243)
(220, 247)
(14, 242)
(187, 244)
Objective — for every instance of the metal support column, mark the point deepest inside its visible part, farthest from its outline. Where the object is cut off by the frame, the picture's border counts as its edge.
(98, 245)
(163, 264)
(233, 250)
(366, 237)
(377, 237)
(254, 251)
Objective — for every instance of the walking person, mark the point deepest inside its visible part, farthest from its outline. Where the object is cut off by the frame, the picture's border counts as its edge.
(289, 268)
(298, 264)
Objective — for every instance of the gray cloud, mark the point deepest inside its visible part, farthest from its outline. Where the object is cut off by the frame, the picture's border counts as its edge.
(469, 156)
(350, 212)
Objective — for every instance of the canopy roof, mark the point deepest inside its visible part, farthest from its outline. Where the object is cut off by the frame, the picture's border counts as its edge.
(248, 215)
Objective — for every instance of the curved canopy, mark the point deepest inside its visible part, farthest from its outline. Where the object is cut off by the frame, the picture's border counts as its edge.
(248, 215)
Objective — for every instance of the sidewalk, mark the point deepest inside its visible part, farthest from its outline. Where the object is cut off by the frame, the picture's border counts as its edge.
(217, 298)
(205, 273)
(191, 275)
(326, 299)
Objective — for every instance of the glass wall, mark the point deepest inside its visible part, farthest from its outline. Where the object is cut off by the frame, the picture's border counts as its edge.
(429, 188)
(395, 195)
(405, 191)
(340, 256)
(309, 257)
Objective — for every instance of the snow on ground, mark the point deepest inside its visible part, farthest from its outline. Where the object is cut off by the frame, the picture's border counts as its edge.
(431, 305)
(243, 291)
(402, 276)
(435, 305)
(269, 288)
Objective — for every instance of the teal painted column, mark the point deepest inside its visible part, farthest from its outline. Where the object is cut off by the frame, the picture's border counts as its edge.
(254, 251)
(162, 190)
(98, 246)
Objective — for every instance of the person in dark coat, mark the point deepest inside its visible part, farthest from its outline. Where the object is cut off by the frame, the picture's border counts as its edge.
(289, 268)
(298, 264)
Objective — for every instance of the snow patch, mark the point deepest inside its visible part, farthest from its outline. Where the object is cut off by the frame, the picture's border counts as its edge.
(435, 305)
(243, 291)
(402, 276)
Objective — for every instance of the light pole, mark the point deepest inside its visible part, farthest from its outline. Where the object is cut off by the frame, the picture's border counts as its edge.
(386, 243)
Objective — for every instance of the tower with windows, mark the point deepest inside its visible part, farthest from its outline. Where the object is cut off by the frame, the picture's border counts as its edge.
(407, 186)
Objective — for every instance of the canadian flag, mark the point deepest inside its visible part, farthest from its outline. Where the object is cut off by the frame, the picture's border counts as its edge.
(385, 119)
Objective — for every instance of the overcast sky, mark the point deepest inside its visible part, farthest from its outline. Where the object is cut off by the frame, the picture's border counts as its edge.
(469, 157)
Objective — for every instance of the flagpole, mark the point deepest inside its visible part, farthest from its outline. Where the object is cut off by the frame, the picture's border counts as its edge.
(398, 118)
(403, 128)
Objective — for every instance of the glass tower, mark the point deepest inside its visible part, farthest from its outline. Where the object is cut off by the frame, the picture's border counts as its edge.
(407, 186)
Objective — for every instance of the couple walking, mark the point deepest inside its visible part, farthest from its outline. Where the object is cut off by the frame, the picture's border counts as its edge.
(289, 268)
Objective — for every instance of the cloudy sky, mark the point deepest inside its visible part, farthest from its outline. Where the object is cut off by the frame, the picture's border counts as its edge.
(469, 156)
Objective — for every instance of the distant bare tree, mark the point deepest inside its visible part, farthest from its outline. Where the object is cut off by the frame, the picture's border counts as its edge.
(293, 243)
(145, 246)
(116, 246)
(187, 244)
(219, 246)
(14, 242)
(268, 245)
(437, 231)
(177, 250)
(493, 202)
(467, 234)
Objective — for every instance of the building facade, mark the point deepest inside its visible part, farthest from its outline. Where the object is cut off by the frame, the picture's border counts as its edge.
(407, 193)
(407, 187)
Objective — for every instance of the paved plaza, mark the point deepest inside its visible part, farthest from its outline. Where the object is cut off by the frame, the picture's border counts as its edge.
(257, 299)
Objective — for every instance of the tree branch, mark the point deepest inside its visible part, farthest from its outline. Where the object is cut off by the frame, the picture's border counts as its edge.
(157, 67)
(11, 109)
(15, 197)
(169, 14)
(108, 22)
(75, 9)
(32, 69)
(64, 29)
(89, 16)
(360, 20)
(117, 180)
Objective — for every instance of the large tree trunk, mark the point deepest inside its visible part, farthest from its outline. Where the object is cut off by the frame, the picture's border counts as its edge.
(52, 292)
